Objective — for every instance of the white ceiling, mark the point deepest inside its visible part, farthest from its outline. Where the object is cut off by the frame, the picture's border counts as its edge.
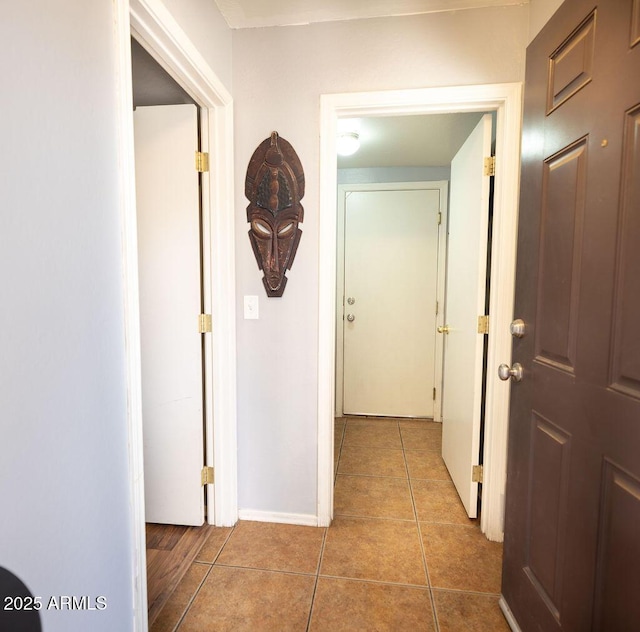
(241, 14)
(429, 140)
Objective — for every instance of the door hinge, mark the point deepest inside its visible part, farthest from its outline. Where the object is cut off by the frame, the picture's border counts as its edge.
(202, 161)
(437, 308)
(204, 324)
(483, 324)
(477, 474)
(207, 475)
(490, 166)
(434, 393)
(439, 218)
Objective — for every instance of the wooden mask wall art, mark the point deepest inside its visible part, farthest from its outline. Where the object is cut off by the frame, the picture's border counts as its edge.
(274, 187)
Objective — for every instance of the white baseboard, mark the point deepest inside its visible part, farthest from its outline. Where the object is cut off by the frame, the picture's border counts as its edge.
(305, 520)
(508, 615)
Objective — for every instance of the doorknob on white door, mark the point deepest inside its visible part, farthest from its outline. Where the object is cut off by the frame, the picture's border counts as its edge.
(350, 317)
(443, 330)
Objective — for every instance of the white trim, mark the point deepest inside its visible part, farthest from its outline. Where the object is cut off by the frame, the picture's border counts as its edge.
(127, 196)
(423, 185)
(157, 31)
(305, 520)
(508, 615)
(155, 28)
(506, 100)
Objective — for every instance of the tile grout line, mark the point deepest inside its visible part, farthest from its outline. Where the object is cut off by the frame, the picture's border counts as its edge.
(192, 599)
(421, 541)
(204, 579)
(315, 585)
(336, 465)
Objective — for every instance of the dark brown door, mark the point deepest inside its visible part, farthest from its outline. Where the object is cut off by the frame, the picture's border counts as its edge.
(572, 533)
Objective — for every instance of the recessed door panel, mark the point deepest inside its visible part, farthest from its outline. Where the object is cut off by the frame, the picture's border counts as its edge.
(564, 187)
(550, 457)
(618, 584)
(626, 349)
(571, 65)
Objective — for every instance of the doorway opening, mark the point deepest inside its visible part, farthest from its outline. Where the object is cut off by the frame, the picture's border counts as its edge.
(171, 278)
(505, 100)
(159, 34)
(392, 257)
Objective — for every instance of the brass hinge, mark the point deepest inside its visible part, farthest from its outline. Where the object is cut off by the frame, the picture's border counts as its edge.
(483, 324)
(202, 161)
(439, 218)
(434, 393)
(207, 476)
(204, 324)
(490, 166)
(477, 474)
(437, 307)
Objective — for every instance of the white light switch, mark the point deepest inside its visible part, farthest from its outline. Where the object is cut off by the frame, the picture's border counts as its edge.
(250, 307)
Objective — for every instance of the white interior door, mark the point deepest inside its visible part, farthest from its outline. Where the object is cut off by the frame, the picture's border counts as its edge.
(169, 271)
(390, 282)
(465, 301)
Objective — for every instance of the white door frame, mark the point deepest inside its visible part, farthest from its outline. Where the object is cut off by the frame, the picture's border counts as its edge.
(157, 31)
(343, 190)
(506, 100)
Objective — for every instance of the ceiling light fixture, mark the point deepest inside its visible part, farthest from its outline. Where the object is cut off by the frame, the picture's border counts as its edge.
(348, 143)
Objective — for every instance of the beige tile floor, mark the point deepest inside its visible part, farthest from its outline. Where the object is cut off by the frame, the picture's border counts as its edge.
(400, 555)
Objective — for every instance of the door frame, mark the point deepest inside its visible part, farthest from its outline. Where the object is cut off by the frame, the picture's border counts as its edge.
(156, 30)
(506, 100)
(343, 190)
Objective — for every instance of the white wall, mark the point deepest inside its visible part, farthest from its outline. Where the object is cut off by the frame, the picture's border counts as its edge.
(540, 11)
(65, 524)
(207, 29)
(392, 174)
(278, 76)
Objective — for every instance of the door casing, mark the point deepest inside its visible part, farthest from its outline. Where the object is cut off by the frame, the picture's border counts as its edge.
(506, 100)
(152, 25)
(343, 191)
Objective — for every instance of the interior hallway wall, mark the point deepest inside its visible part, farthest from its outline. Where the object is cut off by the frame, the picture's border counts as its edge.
(540, 12)
(375, 175)
(206, 28)
(278, 76)
(65, 523)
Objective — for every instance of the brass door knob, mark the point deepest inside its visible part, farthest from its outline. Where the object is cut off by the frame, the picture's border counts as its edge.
(443, 330)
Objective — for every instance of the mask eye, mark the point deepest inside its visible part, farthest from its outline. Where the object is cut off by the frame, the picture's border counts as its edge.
(260, 228)
(286, 229)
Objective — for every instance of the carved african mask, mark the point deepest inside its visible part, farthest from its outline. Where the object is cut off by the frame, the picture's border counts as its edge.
(274, 187)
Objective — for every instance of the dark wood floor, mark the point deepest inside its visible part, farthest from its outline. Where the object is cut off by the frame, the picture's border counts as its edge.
(170, 551)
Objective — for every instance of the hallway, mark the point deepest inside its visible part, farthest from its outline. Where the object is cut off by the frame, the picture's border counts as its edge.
(401, 554)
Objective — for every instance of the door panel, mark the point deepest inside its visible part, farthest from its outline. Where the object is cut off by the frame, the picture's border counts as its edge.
(564, 188)
(391, 261)
(167, 194)
(465, 301)
(572, 550)
(625, 376)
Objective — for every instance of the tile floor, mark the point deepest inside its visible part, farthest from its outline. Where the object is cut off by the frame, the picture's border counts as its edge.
(400, 555)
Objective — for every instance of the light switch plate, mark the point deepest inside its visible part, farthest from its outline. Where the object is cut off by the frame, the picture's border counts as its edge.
(250, 307)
